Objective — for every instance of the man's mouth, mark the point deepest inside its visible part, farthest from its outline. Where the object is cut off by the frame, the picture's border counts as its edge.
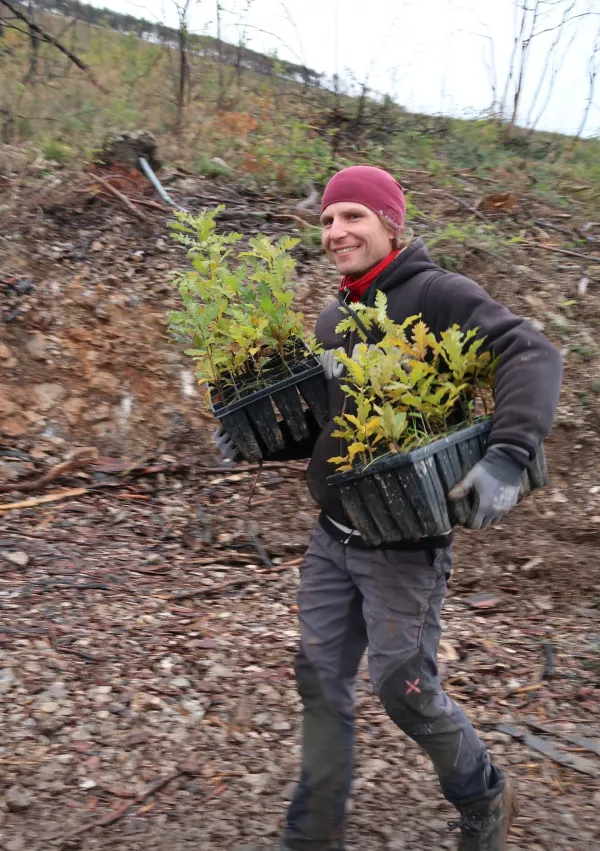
(346, 250)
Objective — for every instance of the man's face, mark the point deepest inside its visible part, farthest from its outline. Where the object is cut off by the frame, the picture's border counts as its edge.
(354, 237)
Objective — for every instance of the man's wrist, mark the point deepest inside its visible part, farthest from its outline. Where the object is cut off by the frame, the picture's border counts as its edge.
(505, 462)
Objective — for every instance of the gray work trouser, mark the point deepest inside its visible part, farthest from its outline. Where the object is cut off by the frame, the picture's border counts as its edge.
(390, 600)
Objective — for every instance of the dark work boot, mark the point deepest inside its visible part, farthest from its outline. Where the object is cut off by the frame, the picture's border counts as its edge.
(487, 829)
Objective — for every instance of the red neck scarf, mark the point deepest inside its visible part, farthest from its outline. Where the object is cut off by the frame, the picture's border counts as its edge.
(356, 289)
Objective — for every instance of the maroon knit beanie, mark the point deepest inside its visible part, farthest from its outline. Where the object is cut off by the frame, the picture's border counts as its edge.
(371, 186)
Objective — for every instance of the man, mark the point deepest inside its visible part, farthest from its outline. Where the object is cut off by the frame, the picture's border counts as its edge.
(352, 597)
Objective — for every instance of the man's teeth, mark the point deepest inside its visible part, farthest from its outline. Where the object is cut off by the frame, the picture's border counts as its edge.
(346, 250)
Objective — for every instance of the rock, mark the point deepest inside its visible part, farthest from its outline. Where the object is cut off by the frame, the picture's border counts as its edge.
(56, 691)
(374, 766)
(7, 680)
(13, 471)
(48, 395)
(73, 409)
(143, 702)
(49, 724)
(19, 558)
(37, 346)
(5, 352)
(181, 682)
(14, 426)
(105, 382)
(87, 783)
(17, 799)
(17, 843)
(96, 245)
(125, 147)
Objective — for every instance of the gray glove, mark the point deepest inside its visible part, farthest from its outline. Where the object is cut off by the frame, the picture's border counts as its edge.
(226, 446)
(496, 481)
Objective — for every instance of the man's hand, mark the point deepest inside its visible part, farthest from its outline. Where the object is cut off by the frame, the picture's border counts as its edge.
(496, 481)
(226, 446)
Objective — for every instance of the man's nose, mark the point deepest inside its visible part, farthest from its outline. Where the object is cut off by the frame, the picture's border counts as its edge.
(338, 230)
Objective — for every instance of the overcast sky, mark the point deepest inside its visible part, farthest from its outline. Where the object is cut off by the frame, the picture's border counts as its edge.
(431, 55)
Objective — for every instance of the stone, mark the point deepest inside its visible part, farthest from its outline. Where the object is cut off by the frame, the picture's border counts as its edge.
(48, 706)
(126, 147)
(49, 724)
(7, 680)
(48, 395)
(17, 799)
(37, 346)
(105, 382)
(143, 702)
(5, 352)
(19, 558)
(7, 403)
(56, 691)
(73, 409)
(17, 843)
(14, 426)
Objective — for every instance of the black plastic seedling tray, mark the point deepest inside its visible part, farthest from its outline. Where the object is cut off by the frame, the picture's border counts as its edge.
(405, 497)
(254, 422)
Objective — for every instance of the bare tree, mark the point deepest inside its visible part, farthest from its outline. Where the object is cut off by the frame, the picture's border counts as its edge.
(533, 19)
(184, 79)
(593, 70)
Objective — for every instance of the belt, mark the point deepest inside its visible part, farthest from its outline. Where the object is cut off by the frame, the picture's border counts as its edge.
(352, 538)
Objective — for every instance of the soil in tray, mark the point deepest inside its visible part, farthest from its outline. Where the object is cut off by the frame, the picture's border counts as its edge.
(232, 388)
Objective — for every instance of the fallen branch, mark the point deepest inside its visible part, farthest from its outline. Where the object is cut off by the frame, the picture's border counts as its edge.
(514, 269)
(251, 468)
(79, 459)
(119, 195)
(70, 651)
(590, 257)
(151, 789)
(42, 500)
(464, 205)
(35, 28)
(230, 583)
(548, 749)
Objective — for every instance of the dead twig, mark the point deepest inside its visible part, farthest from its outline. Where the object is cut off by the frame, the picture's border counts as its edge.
(151, 789)
(517, 270)
(42, 500)
(80, 458)
(251, 468)
(230, 583)
(253, 488)
(589, 257)
(464, 205)
(69, 651)
(122, 198)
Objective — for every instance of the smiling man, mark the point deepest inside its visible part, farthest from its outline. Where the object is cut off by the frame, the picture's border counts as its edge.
(390, 599)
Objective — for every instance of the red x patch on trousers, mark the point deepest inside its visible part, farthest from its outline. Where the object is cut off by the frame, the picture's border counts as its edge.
(412, 686)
